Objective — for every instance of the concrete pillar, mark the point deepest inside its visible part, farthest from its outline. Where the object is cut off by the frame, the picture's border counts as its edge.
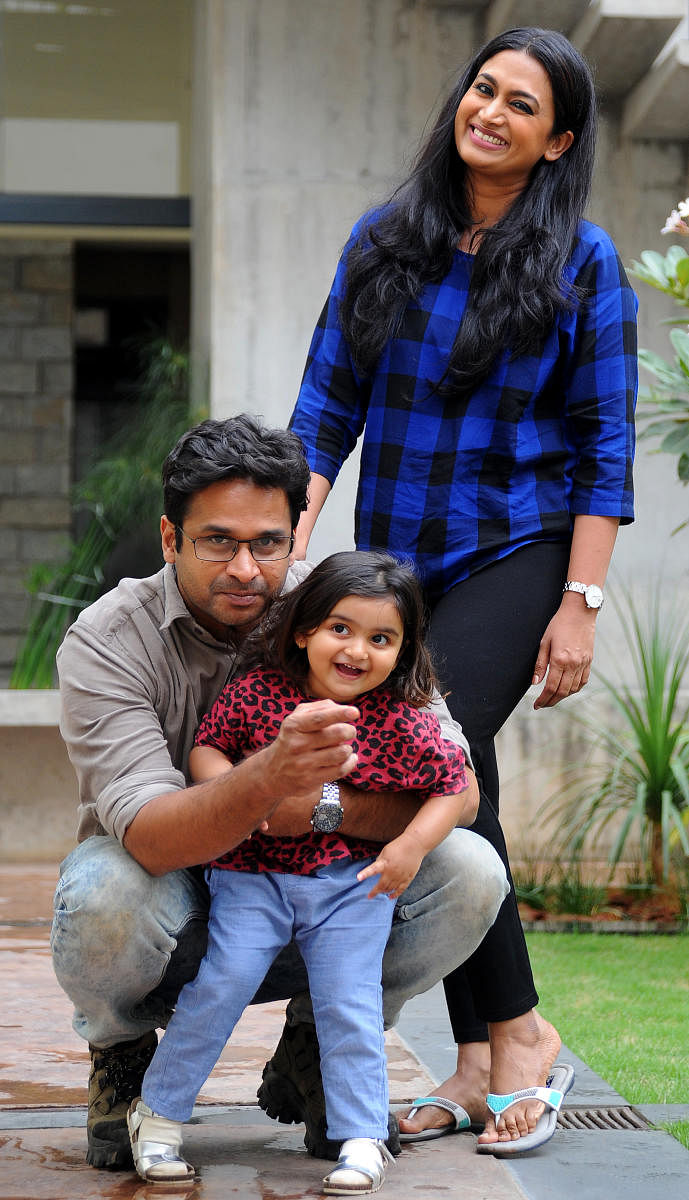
(306, 114)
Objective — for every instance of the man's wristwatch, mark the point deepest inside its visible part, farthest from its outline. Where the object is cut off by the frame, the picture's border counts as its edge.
(328, 814)
(592, 594)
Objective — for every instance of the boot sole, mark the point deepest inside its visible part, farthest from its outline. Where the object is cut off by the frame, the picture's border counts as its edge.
(279, 1098)
(281, 1101)
(114, 1153)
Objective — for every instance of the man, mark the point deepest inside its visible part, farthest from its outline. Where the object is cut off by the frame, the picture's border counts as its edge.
(138, 670)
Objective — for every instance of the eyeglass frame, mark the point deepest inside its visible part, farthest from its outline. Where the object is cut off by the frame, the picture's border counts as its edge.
(240, 542)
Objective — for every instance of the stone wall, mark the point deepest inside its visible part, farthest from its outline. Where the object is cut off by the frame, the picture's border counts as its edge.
(36, 371)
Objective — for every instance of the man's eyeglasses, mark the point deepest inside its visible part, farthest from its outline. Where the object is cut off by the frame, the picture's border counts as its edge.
(218, 548)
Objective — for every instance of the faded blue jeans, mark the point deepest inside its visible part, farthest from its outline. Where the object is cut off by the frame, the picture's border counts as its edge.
(125, 942)
(341, 935)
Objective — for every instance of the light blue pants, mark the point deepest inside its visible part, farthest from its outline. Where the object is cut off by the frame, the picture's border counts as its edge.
(125, 942)
(341, 935)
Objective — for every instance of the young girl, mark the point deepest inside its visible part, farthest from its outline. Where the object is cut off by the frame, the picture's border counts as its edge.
(351, 630)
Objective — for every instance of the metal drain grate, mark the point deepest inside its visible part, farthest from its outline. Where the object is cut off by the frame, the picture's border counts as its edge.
(602, 1118)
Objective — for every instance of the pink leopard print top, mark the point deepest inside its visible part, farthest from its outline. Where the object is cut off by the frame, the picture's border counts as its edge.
(398, 748)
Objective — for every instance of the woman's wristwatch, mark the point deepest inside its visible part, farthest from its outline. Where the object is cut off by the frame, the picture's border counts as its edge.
(328, 814)
(593, 595)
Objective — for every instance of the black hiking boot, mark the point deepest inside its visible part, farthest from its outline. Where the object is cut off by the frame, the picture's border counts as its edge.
(115, 1080)
(292, 1091)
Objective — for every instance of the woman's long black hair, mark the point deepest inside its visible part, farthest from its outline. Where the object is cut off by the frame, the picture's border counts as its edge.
(365, 573)
(517, 284)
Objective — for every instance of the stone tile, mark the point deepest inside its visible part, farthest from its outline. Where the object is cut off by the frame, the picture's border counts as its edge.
(47, 273)
(57, 377)
(43, 545)
(17, 446)
(9, 342)
(9, 644)
(8, 479)
(34, 512)
(19, 377)
(57, 308)
(19, 308)
(7, 273)
(23, 247)
(46, 341)
(39, 479)
(601, 1165)
(659, 1114)
(16, 413)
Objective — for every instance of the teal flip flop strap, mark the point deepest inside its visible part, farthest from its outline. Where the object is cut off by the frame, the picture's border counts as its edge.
(550, 1096)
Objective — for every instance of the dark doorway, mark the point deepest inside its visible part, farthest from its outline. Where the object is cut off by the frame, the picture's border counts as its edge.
(124, 295)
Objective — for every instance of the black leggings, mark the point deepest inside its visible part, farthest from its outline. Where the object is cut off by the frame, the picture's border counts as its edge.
(485, 634)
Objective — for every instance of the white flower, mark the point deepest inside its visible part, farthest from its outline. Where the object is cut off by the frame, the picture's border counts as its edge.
(675, 222)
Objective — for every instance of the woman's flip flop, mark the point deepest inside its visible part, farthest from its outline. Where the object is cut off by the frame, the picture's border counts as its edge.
(460, 1123)
(558, 1083)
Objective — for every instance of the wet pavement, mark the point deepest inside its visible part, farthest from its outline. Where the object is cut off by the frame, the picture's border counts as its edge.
(236, 1149)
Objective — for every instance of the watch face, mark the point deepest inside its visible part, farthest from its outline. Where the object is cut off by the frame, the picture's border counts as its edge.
(327, 818)
(593, 596)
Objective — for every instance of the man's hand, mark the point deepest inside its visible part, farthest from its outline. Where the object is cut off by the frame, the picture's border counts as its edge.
(314, 738)
(182, 828)
(313, 747)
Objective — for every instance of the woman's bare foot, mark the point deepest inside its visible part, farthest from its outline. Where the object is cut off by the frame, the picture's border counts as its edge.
(468, 1087)
(523, 1051)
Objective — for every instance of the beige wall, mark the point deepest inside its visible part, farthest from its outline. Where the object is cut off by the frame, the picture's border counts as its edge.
(38, 789)
(96, 98)
(308, 112)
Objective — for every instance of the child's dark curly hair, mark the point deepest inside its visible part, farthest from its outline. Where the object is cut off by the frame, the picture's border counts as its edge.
(348, 573)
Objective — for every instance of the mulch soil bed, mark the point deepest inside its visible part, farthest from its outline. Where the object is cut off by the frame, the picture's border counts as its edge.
(623, 912)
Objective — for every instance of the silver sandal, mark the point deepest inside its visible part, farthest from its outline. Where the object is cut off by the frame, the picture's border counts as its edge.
(156, 1144)
(360, 1168)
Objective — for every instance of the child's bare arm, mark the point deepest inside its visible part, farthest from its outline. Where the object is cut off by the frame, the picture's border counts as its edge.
(207, 762)
(399, 860)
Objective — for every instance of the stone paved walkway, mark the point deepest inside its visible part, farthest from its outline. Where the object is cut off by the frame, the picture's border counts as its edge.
(238, 1151)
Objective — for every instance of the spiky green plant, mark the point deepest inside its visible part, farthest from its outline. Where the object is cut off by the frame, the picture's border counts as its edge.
(121, 492)
(637, 773)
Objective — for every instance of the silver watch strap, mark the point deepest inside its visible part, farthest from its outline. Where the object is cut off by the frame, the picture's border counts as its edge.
(330, 793)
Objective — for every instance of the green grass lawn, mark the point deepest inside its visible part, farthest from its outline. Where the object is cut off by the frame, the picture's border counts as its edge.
(622, 1004)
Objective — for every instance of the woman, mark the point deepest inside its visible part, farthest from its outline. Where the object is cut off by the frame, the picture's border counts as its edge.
(483, 338)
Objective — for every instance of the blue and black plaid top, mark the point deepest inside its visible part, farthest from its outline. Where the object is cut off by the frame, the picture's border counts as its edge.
(455, 485)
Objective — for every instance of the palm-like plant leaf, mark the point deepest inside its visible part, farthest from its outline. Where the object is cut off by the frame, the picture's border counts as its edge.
(121, 491)
(637, 772)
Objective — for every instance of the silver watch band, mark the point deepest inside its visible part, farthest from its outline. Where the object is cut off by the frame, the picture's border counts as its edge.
(592, 593)
(330, 793)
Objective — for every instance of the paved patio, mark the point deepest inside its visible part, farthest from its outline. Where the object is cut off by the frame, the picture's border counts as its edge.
(237, 1149)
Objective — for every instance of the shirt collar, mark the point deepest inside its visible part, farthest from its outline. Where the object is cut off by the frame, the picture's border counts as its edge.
(174, 608)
